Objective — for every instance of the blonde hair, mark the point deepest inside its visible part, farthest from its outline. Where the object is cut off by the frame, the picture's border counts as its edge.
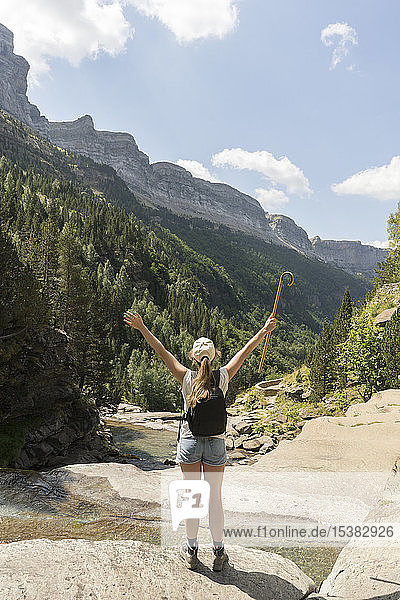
(201, 386)
(204, 381)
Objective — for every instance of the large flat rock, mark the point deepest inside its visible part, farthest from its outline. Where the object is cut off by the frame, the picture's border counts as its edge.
(366, 439)
(370, 567)
(249, 497)
(112, 570)
(362, 573)
(127, 480)
(339, 469)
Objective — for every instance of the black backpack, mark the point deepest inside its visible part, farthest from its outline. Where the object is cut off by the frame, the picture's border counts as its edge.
(209, 416)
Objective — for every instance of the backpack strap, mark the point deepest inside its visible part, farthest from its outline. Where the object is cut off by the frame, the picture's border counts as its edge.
(182, 417)
(217, 376)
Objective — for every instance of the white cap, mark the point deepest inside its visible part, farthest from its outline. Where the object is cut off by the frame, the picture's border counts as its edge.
(203, 347)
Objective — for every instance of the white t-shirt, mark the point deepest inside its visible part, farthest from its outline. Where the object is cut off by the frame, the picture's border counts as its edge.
(186, 388)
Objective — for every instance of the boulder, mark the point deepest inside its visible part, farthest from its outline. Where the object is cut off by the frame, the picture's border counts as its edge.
(243, 427)
(370, 567)
(253, 444)
(308, 412)
(239, 441)
(381, 403)
(42, 392)
(229, 443)
(266, 448)
(168, 184)
(267, 444)
(363, 571)
(231, 431)
(266, 439)
(281, 418)
(237, 454)
(114, 570)
(125, 407)
(384, 316)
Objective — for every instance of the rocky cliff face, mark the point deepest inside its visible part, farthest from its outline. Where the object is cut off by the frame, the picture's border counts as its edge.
(162, 184)
(13, 84)
(351, 256)
(289, 231)
(166, 184)
(43, 419)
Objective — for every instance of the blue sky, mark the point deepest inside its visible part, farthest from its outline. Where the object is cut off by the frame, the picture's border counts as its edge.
(264, 84)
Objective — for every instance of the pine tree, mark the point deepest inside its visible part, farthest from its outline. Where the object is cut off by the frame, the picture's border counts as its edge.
(322, 372)
(340, 331)
(391, 351)
(20, 302)
(70, 266)
(389, 270)
(49, 263)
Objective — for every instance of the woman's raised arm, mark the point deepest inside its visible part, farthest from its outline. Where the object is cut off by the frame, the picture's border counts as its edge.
(133, 319)
(236, 362)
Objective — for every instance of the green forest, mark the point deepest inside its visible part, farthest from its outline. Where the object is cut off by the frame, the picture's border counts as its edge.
(78, 249)
(353, 357)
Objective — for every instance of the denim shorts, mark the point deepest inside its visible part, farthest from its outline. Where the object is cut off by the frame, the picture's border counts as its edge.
(210, 450)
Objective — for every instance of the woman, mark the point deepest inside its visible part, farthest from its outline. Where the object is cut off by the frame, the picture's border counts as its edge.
(197, 453)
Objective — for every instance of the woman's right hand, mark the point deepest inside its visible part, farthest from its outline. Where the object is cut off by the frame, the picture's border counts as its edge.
(133, 319)
(270, 324)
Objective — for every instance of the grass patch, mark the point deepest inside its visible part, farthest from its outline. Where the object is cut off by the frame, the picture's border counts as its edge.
(291, 409)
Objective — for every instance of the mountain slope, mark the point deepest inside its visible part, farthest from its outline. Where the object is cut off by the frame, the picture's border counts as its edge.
(188, 277)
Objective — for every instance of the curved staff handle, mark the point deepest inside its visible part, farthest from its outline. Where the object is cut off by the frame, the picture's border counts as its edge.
(278, 293)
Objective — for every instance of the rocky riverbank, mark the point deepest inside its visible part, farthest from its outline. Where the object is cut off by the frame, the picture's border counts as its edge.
(338, 469)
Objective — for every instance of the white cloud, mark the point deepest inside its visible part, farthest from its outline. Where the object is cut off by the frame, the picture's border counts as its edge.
(271, 199)
(69, 30)
(78, 29)
(192, 19)
(382, 183)
(340, 36)
(279, 171)
(197, 169)
(378, 244)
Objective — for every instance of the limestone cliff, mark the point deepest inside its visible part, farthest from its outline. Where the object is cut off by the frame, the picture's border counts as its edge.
(289, 231)
(13, 84)
(351, 256)
(166, 184)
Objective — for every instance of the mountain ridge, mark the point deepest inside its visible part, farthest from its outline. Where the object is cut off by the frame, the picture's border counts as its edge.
(167, 185)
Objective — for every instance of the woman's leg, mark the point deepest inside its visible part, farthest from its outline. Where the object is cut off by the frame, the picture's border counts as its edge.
(214, 475)
(191, 471)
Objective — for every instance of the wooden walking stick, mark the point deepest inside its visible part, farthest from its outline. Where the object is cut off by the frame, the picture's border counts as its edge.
(278, 292)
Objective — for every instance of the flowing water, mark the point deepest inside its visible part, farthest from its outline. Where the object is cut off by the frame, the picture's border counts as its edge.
(150, 446)
(59, 504)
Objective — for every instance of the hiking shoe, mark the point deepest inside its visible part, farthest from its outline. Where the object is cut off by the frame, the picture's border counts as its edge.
(220, 557)
(189, 555)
